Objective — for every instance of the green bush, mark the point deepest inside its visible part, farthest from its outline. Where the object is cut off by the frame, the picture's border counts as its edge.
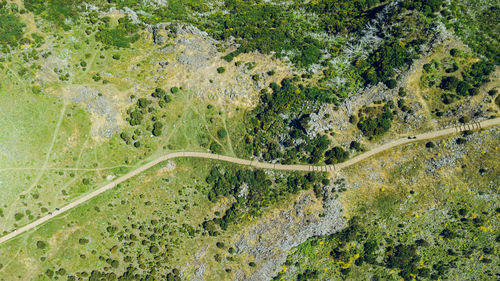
(391, 83)
(18, 216)
(478, 73)
(221, 70)
(463, 88)
(336, 155)
(430, 144)
(116, 37)
(384, 60)
(157, 129)
(222, 133)
(83, 241)
(215, 148)
(174, 90)
(11, 29)
(449, 83)
(41, 245)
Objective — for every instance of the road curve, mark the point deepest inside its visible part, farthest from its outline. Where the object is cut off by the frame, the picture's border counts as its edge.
(253, 163)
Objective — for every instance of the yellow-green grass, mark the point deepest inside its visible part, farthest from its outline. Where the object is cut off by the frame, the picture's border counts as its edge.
(178, 193)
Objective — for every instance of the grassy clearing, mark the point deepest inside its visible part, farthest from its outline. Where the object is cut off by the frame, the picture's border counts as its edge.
(36, 181)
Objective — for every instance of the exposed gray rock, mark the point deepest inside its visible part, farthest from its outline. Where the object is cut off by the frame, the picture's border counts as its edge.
(268, 242)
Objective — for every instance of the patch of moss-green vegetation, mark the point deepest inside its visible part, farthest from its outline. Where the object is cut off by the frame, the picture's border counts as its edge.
(375, 120)
(252, 192)
(474, 22)
(454, 78)
(11, 27)
(286, 111)
(146, 231)
(121, 35)
(56, 11)
(174, 121)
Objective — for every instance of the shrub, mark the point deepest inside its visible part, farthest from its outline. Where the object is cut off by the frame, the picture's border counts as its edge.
(83, 241)
(96, 77)
(473, 91)
(11, 29)
(157, 129)
(221, 70)
(391, 83)
(336, 155)
(355, 145)
(18, 216)
(174, 90)
(49, 273)
(463, 88)
(222, 133)
(215, 148)
(449, 83)
(478, 72)
(117, 37)
(455, 52)
(153, 249)
(143, 102)
(41, 245)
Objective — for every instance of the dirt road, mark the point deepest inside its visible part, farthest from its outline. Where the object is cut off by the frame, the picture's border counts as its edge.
(252, 163)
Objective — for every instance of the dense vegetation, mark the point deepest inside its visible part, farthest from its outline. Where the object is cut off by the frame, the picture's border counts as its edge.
(375, 121)
(120, 36)
(286, 111)
(145, 111)
(476, 22)
(455, 76)
(253, 191)
(11, 28)
(60, 12)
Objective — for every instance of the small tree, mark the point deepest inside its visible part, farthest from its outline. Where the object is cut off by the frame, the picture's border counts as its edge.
(391, 83)
(221, 70)
(449, 83)
(157, 128)
(41, 245)
(222, 133)
(463, 88)
(18, 216)
(83, 241)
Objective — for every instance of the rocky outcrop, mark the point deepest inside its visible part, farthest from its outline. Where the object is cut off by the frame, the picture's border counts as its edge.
(270, 240)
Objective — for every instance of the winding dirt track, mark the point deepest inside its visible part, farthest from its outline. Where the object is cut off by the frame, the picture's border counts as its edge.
(262, 165)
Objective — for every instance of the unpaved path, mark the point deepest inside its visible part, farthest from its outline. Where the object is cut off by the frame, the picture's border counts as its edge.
(352, 161)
